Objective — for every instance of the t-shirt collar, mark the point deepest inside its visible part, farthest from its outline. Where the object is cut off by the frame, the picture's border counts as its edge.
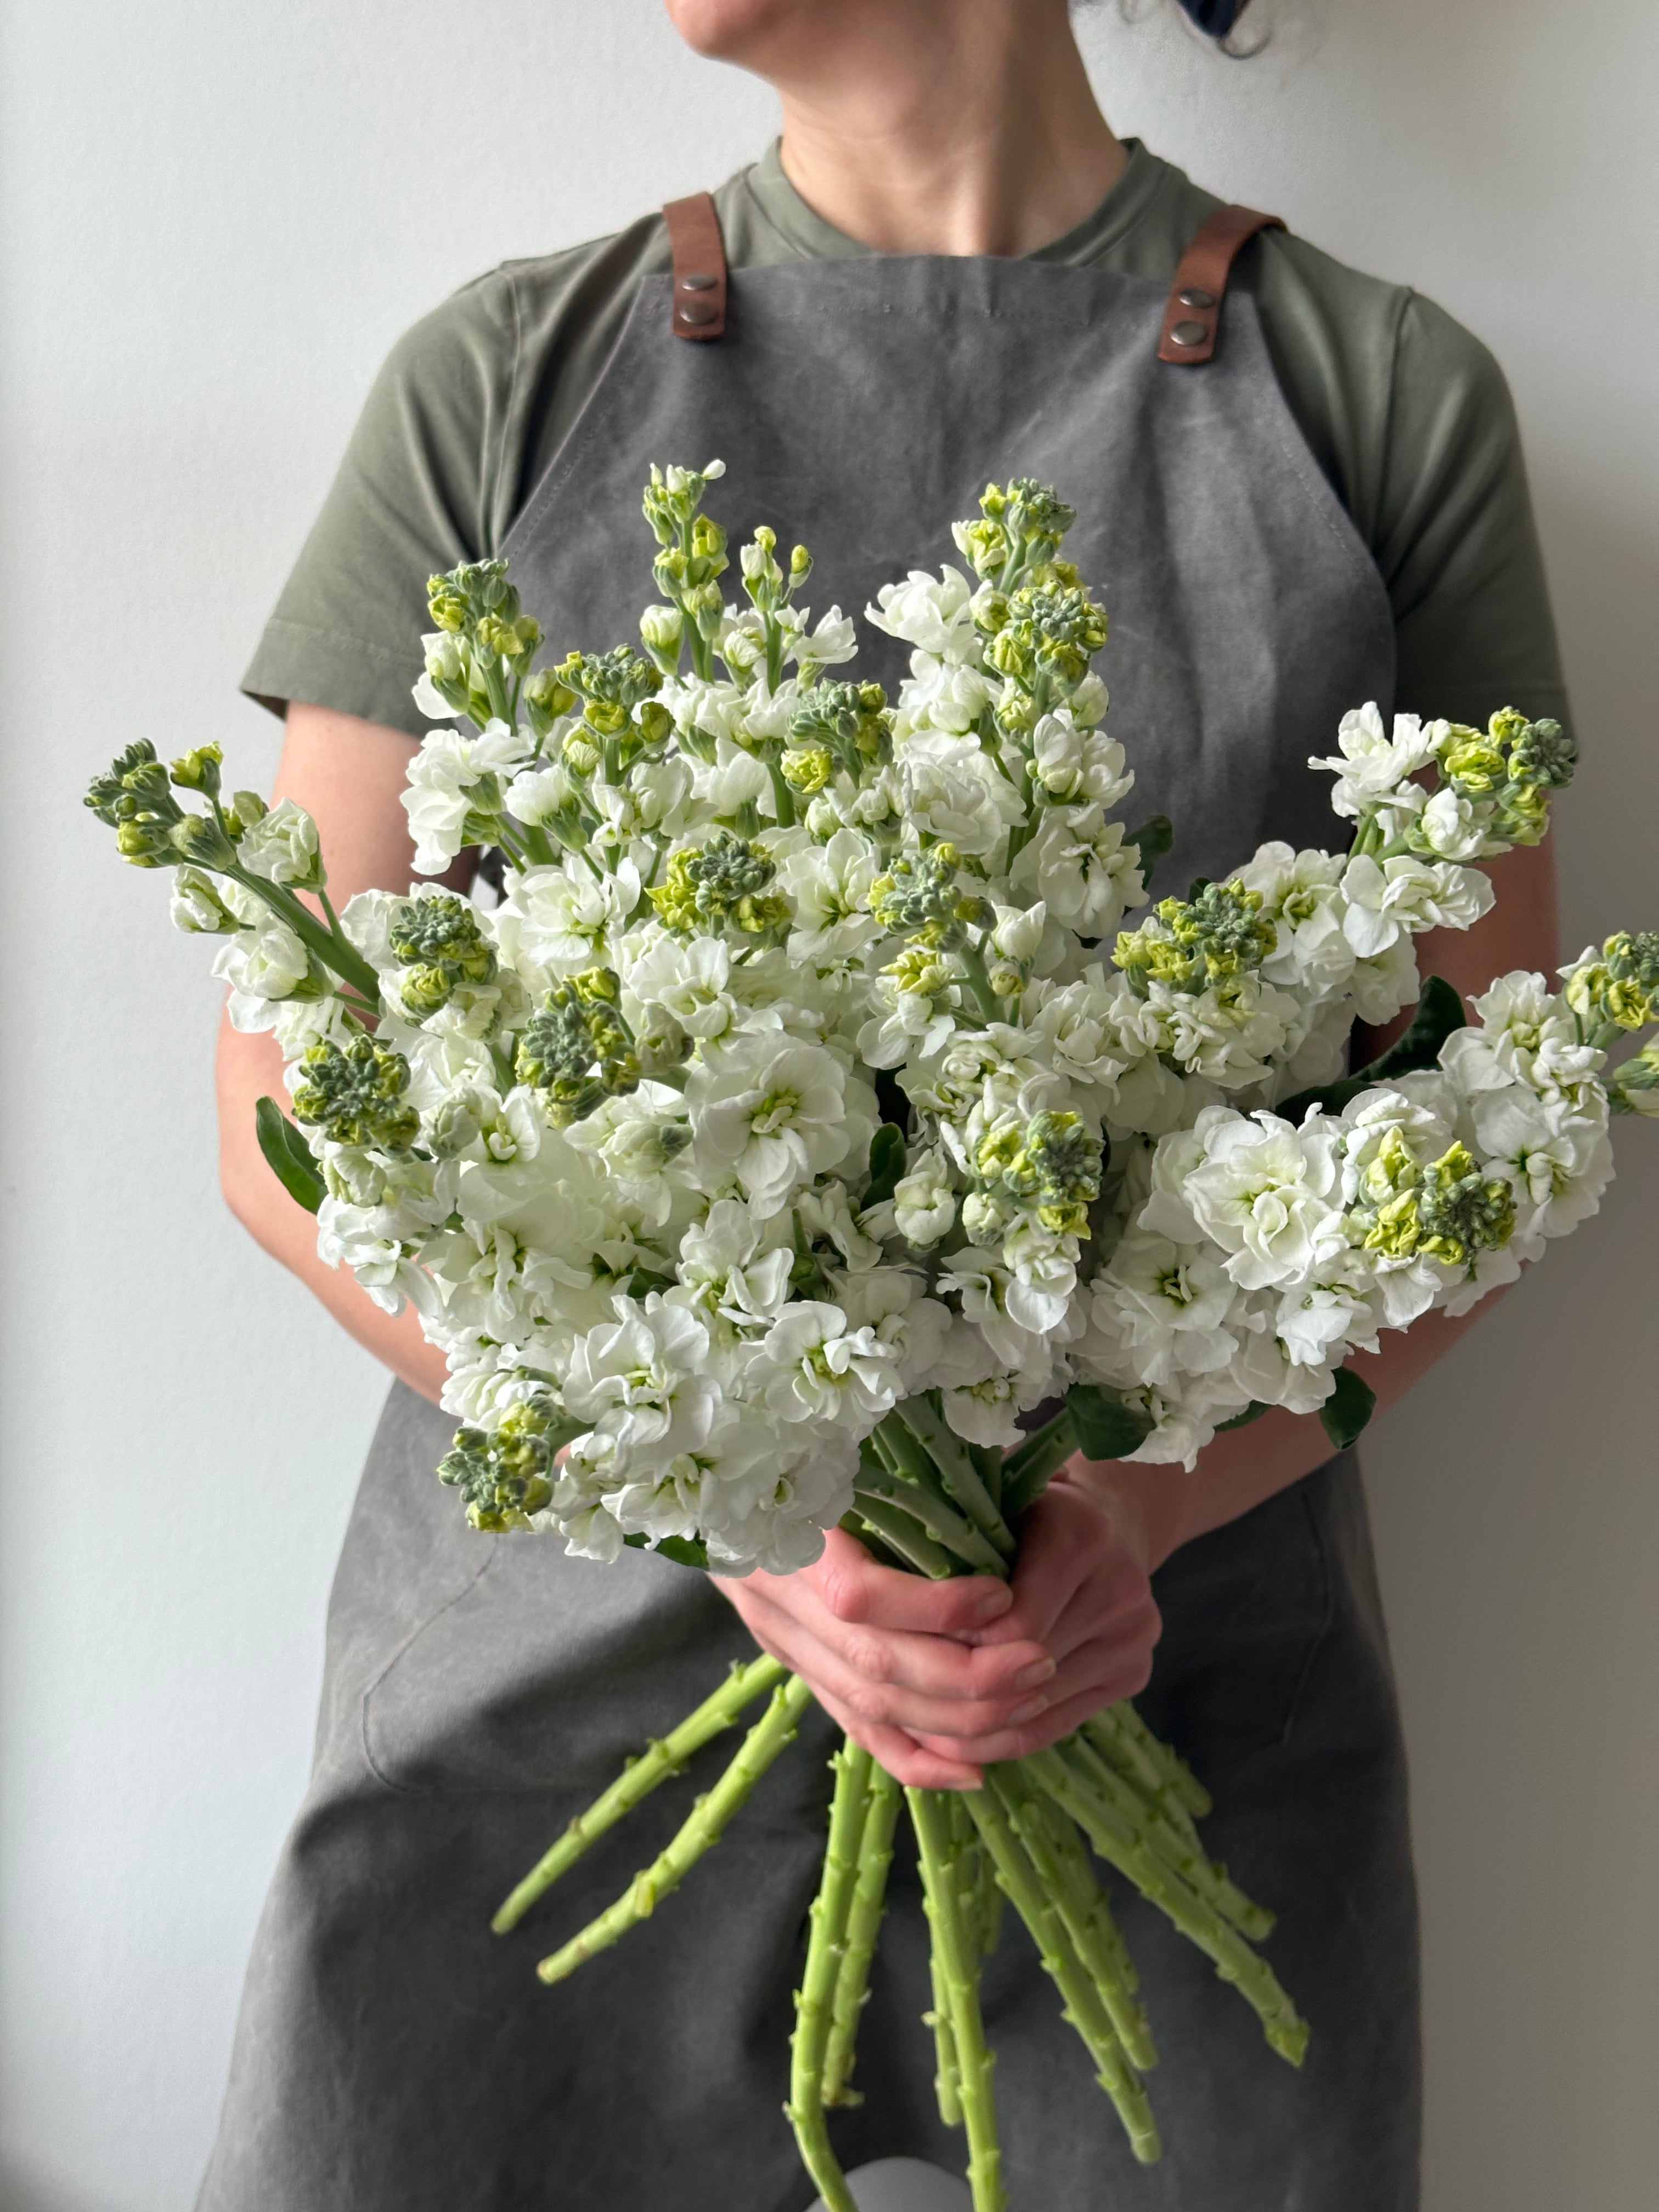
(781, 208)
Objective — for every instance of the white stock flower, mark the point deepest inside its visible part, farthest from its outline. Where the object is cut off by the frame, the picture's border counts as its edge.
(536, 792)
(812, 1366)
(282, 846)
(1160, 1310)
(1265, 1193)
(1525, 1034)
(1078, 865)
(1302, 895)
(567, 917)
(264, 961)
(771, 1113)
(955, 792)
(1403, 896)
(940, 694)
(447, 769)
(1451, 827)
(829, 886)
(641, 1375)
(1372, 765)
(924, 1198)
(1078, 764)
(688, 979)
(934, 613)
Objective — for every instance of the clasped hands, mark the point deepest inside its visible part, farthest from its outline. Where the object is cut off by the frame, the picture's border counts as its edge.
(936, 1679)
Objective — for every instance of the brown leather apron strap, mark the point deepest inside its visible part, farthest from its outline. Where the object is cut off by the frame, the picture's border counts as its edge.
(694, 238)
(1201, 282)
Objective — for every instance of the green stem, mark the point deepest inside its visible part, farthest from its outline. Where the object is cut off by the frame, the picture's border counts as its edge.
(782, 798)
(334, 950)
(947, 2078)
(1197, 1920)
(665, 1757)
(708, 1821)
(864, 1918)
(1124, 1753)
(901, 1534)
(959, 1968)
(1179, 1778)
(957, 1471)
(942, 1522)
(1171, 1843)
(1019, 1846)
(1028, 1469)
(826, 1949)
(978, 979)
(1089, 1916)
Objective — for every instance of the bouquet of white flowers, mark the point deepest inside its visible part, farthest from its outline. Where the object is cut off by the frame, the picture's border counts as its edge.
(802, 1117)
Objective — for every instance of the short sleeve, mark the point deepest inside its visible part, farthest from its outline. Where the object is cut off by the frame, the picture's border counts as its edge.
(1454, 536)
(413, 496)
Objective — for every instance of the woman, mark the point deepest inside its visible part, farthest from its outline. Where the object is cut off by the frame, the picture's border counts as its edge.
(1299, 487)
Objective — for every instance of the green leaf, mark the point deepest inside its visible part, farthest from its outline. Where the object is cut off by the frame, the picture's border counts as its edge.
(1106, 1427)
(886, 1163)
(1154, 838)
(1350, 1406)
(1440, 1014)
(288, 1157)
(685, 1550)
(1252, 1412)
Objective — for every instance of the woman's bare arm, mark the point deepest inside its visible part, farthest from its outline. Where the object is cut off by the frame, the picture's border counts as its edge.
(348, 776)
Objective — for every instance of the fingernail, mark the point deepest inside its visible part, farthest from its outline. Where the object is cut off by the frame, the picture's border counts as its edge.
(1038, 1671)
(1028, 1711)
(995, 1601)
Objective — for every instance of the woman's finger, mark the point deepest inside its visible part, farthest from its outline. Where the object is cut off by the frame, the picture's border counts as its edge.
(911, 1682)
(1096, 1676)
(918, 1766)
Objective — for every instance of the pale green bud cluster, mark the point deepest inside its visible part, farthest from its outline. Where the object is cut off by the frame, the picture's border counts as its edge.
(611, 687)
(576, 1049)
(722, 885)
(484, 644)
(354, 1094)
(1634, 1086)
(505, 1478)
(692, 559)
(837, 728)
(1048, 1166)
(1200, 944)
(1047, 629)
(919, 892)
(1506, 774)
(1020, 527)
(1619, 992)
(442, 946)
(1442, 1209)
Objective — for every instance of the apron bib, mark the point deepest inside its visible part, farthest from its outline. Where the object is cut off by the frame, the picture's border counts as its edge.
(392, 2056)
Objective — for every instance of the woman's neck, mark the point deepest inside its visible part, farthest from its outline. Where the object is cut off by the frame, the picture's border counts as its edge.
(975, 133)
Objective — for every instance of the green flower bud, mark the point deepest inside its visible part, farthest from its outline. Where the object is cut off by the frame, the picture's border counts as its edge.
(653, 721)
(353, 1093)
(248, 808)
(505, 1478)
(574, 1050)
(723, 884)
(439, 941)
(199, 837)
(661, 628)
(545, 697)
(199, 770)
(800, 567)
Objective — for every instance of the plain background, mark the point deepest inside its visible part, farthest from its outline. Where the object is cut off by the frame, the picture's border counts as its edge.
(216, 220)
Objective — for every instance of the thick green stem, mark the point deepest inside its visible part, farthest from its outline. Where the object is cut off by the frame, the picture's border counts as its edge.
(1161, 1885)
(826, 1948)
(1178, 1776)
(661, 1758)
(864, 1917)
(947, 2079)
(708, 1821)
(914, 1482)
(978, 979)
(1018, 1841)
(1027, 1469)
(957, 1472)
(1089, 1916)
(901, 1534)
(959, 1968)
(1173, 1843)
(332, 947)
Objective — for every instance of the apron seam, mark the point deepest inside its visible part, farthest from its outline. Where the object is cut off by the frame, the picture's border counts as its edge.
(400, 1789)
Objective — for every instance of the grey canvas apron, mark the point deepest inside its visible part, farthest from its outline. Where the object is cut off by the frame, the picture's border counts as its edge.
(392, 2056)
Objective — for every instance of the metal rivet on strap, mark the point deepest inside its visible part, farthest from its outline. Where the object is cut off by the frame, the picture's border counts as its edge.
(1194, 297)
(1190, 334)
(700, 281)
(698, 311)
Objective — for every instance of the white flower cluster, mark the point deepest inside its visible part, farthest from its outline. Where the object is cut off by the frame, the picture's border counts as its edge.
(806, 1068)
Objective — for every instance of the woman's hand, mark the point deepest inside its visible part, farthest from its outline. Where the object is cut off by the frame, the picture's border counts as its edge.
(936, 1678)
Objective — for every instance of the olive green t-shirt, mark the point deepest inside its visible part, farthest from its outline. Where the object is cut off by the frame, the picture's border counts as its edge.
(1406, 413)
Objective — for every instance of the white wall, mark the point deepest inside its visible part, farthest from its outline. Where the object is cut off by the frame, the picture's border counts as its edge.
(215, 220)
